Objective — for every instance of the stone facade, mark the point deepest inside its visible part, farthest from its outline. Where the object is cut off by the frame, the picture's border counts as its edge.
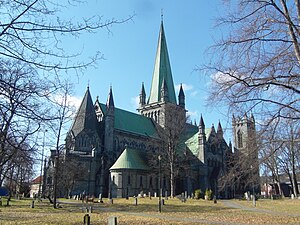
(108, 143)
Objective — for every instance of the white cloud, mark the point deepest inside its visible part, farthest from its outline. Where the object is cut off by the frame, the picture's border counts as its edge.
(193, 115)
(135, 102)
(186, 87)
(74, 101)
(194, 93)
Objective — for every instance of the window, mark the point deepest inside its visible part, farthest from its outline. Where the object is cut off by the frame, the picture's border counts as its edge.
(128, 180)
(113, 180)
(240, 139)
(141, 181)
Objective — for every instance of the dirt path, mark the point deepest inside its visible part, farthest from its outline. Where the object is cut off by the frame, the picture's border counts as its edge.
(235, 205)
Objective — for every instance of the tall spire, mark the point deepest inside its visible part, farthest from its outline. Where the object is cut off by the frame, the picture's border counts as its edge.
(162, 71)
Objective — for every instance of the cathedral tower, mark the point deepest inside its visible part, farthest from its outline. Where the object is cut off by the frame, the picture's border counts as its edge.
(162, 104)
(244, 134)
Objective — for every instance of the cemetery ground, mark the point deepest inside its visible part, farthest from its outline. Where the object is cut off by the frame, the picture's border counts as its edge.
(286, 211)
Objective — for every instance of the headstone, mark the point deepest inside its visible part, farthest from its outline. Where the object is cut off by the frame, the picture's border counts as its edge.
(135, 201)
(185, 194)
(155, 195)
(193, 196)
(215, 199)
(100, 198)
(111, 201)
(87, 219)
(292, 196)
(166, 195)
(112, 220)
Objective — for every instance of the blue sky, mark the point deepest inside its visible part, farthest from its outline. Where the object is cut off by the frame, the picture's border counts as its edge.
(129, 50)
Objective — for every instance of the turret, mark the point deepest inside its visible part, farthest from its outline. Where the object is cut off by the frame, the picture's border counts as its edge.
(164, 92)
(181, 97)
(110, 105)
(142, 96)
(109, 124)
(220, 131)
(201, 140)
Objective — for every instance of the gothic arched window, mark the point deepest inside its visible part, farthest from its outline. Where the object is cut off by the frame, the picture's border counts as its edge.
(240, 139)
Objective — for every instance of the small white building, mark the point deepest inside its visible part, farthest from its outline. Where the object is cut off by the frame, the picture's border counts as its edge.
(35, 184)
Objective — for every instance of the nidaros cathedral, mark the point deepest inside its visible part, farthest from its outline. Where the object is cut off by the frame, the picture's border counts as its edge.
(117, 152)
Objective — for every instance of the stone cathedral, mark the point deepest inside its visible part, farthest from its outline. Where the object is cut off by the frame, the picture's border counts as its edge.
(120, 153)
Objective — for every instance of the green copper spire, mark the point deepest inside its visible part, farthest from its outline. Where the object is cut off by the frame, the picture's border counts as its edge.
(162, 71)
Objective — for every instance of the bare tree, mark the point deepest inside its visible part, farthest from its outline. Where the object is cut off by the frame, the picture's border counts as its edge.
(31, 31)
(171, 136)
(21, 109)
(256, 63)
(63, 111)
(279, 153)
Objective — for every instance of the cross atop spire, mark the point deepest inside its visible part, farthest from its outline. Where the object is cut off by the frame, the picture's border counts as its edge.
(162, 14)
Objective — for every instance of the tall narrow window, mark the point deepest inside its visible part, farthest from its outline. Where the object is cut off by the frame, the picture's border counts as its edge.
(240, 139)
(128, 180)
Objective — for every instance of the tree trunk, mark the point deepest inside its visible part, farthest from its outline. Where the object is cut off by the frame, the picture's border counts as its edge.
(172, 180)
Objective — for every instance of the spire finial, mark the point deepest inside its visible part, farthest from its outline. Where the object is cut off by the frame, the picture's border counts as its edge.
(88, 86)
(162, 15)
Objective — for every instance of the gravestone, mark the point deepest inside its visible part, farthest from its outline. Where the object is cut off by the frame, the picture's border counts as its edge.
(87, 219)
(111, 201)
(166, 195)
(135, 201)
(112, 220)
(155, 195)
(215, 199)
(100, 198)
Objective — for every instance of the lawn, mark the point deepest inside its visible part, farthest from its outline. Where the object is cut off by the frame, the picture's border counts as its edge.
(146, 212)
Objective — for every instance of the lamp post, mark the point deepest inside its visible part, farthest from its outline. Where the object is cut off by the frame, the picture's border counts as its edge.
(159, 181)
(42, 161)
(234, 187)
(253, 196)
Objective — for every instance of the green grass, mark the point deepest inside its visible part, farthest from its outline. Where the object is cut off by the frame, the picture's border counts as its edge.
(146, 212)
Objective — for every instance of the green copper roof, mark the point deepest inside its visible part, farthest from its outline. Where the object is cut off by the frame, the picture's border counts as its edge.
(132, 122)
(86, 116)
(162, 71)
(190, 138)
(130, 159)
